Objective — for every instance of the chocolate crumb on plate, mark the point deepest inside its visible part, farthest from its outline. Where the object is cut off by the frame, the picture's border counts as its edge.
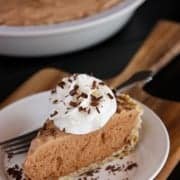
(15, 172)
(113, 168)
(90, 173)
(131, 166)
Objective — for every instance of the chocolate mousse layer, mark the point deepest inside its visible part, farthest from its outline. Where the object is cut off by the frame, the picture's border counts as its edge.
(55, 153)
(38, 12)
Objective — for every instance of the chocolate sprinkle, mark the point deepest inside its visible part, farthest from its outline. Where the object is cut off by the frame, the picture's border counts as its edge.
(74, 104)
(54, 114)
(110, 96)
(74, 90)
(62, 84)
(98, 110)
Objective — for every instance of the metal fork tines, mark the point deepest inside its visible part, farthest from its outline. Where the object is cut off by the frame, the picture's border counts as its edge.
(20, 144)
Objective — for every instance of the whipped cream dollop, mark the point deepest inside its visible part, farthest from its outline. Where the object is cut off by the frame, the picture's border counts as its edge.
(82, 104)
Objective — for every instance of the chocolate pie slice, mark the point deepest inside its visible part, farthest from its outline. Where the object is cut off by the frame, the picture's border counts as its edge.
(62, 152)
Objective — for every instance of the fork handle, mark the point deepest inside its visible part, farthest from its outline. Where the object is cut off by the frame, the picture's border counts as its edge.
(158, 50)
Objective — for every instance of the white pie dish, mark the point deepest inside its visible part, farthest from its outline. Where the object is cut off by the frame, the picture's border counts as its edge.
(65, 37)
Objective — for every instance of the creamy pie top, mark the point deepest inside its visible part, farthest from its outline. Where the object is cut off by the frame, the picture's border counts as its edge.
(37, 12)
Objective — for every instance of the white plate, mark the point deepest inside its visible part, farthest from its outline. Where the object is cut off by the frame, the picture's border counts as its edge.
(150, 154)
(66, 37)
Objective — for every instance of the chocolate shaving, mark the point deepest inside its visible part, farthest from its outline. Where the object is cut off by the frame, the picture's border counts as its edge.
(113, 168)
(74, 90)
(94, 85)
(84, 95)
(110, 96)
(62, 84)
(55, 101)
(82, 109)
(95, 100)
(74, 104)
(94, 103)
(53, 91)
(97, 109)
(70, 80)
(89, 110)
(101, 83)
(54, 114)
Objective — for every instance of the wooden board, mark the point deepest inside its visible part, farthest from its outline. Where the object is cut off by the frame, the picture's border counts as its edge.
(158, 50)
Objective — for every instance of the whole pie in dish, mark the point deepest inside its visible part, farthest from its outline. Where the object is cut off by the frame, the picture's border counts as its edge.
(38, 12)
(88, 126)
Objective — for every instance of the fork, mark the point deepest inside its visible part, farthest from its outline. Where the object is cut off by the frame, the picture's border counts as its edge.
(20, 144)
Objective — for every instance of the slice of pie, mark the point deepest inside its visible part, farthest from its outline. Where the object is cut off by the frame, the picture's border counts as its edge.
(55, 153)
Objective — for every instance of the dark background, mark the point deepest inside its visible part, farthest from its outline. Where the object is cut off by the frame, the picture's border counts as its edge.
(107, 59)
